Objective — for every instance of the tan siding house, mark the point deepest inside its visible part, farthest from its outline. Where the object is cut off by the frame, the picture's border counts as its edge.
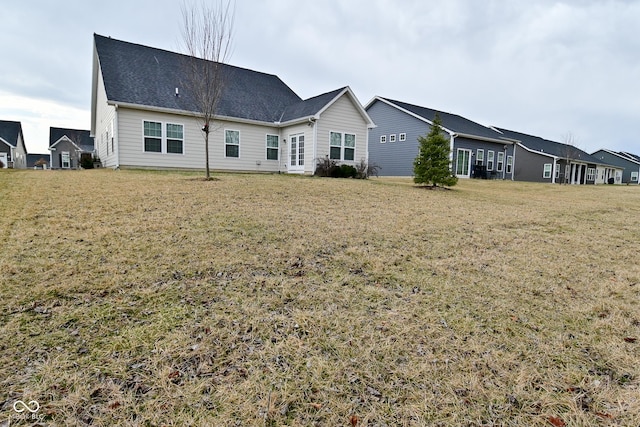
(142, 117)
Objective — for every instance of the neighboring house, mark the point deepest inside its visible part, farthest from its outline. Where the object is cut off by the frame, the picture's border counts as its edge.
(541, 160)
(38, 161)
(629, 162)
(143, 116)
(476, 150)
(69, 146)
(13, 152)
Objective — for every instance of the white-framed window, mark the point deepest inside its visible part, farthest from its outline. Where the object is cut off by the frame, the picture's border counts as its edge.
(65, 160)
(557, 173)
(509, 164)
(158, 138)
(152, 137)
(402, 137)
(392, 137)
(591, 174)
(342, 146)
(500, 164)
(273, 147)
(231, 143)
(546, 172)
(383, 139)
(479, 157)
(175, 138)
(634, 176)
(490, 159)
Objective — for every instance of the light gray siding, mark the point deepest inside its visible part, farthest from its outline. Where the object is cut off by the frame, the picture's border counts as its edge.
(106, 137)
(252, 144)
(342, 116)
(394, 158)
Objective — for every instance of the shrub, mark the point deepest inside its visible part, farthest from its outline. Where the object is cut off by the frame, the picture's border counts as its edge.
(325, 167)
(366, 170)
(86, 162)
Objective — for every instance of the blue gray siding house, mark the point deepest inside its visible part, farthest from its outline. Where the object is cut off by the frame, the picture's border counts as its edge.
(541, 160)
(628, 161)
(69, 146)
(477, 151)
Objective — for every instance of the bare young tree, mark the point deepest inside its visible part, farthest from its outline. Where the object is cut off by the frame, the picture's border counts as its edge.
(207, 35)
(569, 153)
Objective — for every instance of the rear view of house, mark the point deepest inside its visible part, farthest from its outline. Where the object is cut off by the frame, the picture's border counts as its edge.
(13, 152)
(143, 116)
(627, 161)
(477, 151)
(69, 147)
(542, 160)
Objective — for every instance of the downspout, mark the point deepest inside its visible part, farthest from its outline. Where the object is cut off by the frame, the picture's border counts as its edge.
(116, 131)
(504, 164)
(553, 173)
(315, 146)
(513, 166)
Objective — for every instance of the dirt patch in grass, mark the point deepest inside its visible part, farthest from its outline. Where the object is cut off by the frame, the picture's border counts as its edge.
(138, 298)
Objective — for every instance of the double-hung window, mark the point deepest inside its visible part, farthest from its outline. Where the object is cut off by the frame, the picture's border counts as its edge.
(65, 160)
(500, 164)
(175, 138)
(342, 146)
(490, 159)
(546, 172)
(509, 164)
(479, 157)
(160, 138)
(273, 147)
(591, 174)
(153, 137)
(634, 176)
(232, 143)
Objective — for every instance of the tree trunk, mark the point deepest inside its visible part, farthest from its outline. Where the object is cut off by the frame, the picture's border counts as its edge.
(206, 154)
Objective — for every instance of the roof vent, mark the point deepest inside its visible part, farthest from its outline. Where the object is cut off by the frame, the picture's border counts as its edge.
(177, 92)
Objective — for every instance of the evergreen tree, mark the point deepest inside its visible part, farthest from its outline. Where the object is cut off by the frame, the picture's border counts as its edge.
(432, 166)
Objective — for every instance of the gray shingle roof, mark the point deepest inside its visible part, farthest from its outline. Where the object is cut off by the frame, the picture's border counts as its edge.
(147, 76)
(310, 106)
(546, 146)
(81, 138)
(33, 158)
(9, 131)
(453, 122)
(632, 156)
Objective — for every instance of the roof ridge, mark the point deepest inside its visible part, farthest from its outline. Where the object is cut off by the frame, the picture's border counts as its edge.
(178, 53)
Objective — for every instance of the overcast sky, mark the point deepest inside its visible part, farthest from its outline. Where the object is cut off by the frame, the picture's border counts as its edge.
(543, 67)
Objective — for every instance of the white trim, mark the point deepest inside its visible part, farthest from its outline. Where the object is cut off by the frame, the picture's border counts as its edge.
(65, 138)
(343, 146)
(383, 139)
(500, 163)
(163, 139)
(544, 171)
(266, 147)
(402, 137)
(224, 134)
(491, 157)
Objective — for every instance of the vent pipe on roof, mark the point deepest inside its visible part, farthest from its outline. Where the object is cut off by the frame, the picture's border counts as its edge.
(177, 92)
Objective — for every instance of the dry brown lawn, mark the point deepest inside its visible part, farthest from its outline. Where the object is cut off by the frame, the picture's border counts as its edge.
(158, 299)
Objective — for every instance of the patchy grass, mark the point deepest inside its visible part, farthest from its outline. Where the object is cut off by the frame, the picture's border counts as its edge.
(155, 299)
